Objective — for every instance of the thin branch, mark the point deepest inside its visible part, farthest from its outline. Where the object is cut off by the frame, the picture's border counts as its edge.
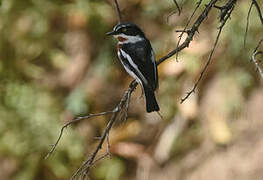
(71, 122)
(225, 9)
(223, 22)
(187, 23)
(172, 13)
(255, 61)
(178, 7)
(184, 31)
(259, 11)
(204, 69)
(253, 2)
(118, 10)
(124, 104)
(247, 25)
(193, 30)
(84, 169)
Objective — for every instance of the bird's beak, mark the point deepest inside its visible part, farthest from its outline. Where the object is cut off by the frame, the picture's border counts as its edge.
(111, 33)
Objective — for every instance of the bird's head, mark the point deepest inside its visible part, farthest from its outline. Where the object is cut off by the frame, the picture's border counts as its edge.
(127, 33)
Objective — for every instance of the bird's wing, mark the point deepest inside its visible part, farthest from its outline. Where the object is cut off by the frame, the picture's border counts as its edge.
(142, 59)
(132, 68)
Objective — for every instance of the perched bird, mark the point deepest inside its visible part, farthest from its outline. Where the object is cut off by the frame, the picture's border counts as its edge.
(136, 55)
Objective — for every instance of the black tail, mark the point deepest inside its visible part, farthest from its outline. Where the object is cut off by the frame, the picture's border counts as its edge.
(151, 103)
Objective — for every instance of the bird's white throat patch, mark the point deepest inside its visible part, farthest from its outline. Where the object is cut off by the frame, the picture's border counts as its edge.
(122, 38)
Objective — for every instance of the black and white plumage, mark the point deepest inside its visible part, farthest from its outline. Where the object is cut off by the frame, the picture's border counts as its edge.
(136, 55)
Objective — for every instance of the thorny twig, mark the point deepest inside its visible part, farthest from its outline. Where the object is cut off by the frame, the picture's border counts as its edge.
(223, 19)
(255, 61)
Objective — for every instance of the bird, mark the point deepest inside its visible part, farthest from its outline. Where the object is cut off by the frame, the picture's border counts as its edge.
(137, 57)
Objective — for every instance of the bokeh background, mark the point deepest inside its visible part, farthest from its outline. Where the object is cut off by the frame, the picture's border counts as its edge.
(56, 63)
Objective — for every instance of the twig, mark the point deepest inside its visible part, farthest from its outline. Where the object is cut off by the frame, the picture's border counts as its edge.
(225, 9)
(118, 10)
(253, 58)
(187, 23)
(71, 122)
(85, 167)
(253, 2)
(187, 31)
(223, 22)
(193, 30)
(247, 25)
(179, 10)
(259, 11)
(178, 7)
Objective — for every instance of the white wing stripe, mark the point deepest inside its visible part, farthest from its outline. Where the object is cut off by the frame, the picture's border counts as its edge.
(125, 55)
(155, 68)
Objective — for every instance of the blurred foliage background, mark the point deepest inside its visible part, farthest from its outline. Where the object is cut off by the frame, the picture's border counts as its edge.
(56, 63)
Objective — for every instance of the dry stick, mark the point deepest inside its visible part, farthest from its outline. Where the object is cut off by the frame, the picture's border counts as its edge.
(185, 27)
(179, 11)
(223, 22)
(178, 7)
(85, 167)
(225, 9)
(247, 25)
(253, 58)
(71, 122)
(259, 11)
(118, 10)
(191, 33)
(253, 2)
(204, 69)
(87, 164)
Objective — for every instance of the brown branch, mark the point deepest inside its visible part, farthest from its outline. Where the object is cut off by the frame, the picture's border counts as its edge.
(255, 61)
(223, 19)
